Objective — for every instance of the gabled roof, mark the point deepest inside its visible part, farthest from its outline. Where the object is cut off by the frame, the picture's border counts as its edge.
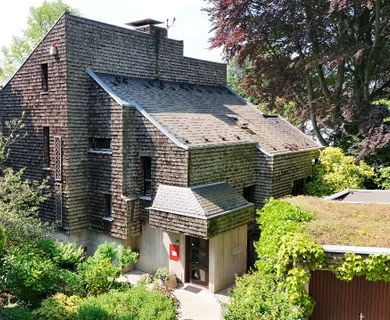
(203, 115)
(203, 202)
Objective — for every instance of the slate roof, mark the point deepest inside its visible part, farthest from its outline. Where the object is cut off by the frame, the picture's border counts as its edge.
(200, 115)
(203, 201)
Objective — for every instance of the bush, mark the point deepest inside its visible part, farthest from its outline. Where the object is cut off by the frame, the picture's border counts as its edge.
(16, 313)
(29, 276)
(118, 255)
(255, 297)
(383, 178)
(58, 307)
(336, 172)
(2, 238)
(136, 303)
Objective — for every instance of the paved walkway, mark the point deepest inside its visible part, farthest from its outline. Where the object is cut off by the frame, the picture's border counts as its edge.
(196, 303)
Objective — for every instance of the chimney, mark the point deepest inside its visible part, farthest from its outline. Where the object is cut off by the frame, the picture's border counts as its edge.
(149, 26)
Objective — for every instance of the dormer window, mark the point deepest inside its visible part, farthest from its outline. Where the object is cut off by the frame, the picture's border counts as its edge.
(45, 77)
(100, 144)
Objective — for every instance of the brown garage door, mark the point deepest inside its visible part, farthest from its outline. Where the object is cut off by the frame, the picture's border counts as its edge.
(358, 299)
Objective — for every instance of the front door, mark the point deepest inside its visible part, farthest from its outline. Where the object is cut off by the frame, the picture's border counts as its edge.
(197, 260)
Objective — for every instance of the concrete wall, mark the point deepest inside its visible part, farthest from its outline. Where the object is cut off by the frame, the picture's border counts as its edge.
(227, 257)
(153, 245)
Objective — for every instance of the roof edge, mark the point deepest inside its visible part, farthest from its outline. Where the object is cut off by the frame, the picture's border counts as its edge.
(134, 104)
(355, 249)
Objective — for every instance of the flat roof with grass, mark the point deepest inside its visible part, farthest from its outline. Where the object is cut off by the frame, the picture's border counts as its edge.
(348, 224)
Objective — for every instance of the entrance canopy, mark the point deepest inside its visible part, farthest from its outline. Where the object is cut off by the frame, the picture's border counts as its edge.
(201, 211)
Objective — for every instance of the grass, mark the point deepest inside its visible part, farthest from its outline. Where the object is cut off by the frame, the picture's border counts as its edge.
(337, 223)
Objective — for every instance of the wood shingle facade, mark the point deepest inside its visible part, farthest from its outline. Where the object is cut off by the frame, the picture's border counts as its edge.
(123, 113)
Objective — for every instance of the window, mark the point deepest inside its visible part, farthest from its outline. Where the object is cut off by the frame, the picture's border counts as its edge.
(45, 77)
(249, 193)
(107, 206)
(46, 147)
(100, 144)
(146, 163)
(298, 186)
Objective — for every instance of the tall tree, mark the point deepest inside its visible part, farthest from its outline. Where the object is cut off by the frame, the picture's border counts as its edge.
(40, 20)
(330, 57)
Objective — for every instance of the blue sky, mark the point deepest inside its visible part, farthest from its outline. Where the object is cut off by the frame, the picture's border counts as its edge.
(191, 24)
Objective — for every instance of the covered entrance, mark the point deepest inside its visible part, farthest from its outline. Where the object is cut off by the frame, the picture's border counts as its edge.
(197, 260)
(358, 299)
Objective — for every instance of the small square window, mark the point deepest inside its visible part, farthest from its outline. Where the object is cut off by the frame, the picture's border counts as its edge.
(45, 77)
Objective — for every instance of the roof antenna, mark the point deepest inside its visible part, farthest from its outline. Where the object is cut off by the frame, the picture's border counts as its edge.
(171, 25)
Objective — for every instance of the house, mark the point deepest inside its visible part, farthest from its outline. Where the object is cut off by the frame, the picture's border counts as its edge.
(351, 221)
(149, 148)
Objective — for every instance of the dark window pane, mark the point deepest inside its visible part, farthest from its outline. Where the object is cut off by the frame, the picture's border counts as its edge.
(108, 205)
(146, 163)
(100, 143)
(249, 193)
(45, 77)
(198, 274)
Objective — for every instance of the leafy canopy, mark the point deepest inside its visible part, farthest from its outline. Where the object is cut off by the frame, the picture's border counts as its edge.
(330, 58)
(39, 22)
(336, 172)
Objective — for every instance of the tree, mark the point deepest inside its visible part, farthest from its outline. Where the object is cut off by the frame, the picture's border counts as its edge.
(39, 22)
(20, 199)
(330, 58)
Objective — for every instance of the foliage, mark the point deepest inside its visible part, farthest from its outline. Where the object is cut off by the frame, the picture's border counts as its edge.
(336, 172)
(29, 275)
(276, 290)
(256, 297)
(383, 178)
(58, 307)
(98, 272)
(39, 22)
(333, 64)
(16, 313)
(161, 273)
(2, 238)
(135, 303)
(375, 267)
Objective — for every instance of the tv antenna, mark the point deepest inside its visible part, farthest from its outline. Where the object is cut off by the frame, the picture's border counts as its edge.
(171, 25)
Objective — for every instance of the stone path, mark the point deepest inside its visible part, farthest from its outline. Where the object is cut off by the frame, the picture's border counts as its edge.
(196, 303)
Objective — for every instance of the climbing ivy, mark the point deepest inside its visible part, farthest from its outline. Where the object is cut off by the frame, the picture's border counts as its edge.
(286, 257)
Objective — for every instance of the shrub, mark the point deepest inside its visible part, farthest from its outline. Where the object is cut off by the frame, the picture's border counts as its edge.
(336, 172)
(256, 297)
(16, 313)
(118, 255)
(29, 276)
(383, 178)
(58, 307)
(136, 303)
(161, 273)
(2, 238)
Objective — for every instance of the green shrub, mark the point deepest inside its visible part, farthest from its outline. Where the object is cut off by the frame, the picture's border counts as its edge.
(136, 303)
(383, 178)
(118, 255)
(336, 172)
(256, 297)
(2, 238)
(58, 307)
(16, 313)
(29, 276)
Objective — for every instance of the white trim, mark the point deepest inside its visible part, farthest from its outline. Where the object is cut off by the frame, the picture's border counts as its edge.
(146, 198)
(134, 104)
(357, 250)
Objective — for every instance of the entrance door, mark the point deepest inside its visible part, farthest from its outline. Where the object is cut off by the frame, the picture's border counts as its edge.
(197, 261)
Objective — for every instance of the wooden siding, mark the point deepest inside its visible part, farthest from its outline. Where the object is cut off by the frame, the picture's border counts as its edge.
(336, 299)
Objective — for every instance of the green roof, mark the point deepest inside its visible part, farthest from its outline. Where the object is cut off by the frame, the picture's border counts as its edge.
(347, 224)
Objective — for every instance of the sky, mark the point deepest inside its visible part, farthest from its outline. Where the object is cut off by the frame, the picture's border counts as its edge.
(191, 24)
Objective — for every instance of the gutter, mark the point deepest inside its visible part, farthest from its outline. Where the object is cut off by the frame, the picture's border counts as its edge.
(354, 249)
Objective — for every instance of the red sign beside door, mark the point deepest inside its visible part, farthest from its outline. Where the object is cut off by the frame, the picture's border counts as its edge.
(174, 252)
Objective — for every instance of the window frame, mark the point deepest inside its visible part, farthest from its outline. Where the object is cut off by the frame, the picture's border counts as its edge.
(93, 141)
(107, 207)
(44, 77)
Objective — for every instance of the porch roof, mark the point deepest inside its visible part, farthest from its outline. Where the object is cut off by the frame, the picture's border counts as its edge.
(202, 202)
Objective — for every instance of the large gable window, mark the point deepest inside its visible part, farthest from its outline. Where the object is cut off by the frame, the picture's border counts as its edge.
(146, 165)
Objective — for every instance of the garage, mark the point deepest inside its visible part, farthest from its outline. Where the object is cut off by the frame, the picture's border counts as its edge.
(358, 299)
